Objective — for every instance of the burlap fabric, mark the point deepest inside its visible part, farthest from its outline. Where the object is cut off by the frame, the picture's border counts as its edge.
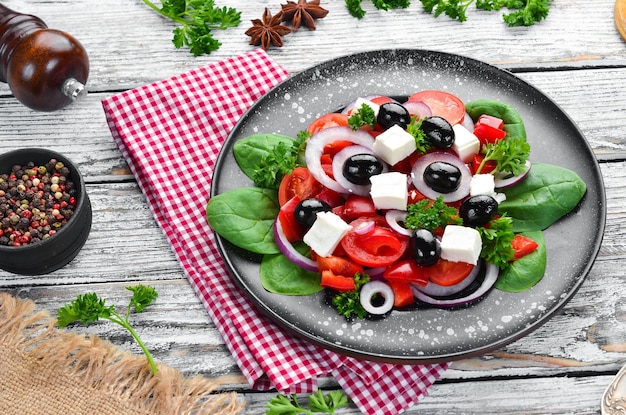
(46, 371)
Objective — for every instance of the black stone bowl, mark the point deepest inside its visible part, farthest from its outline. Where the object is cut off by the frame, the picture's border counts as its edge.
(50, 254)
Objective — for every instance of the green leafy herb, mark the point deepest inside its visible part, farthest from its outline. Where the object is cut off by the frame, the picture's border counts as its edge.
(197, 19)
(278, 162)
(355, 9)
(348, 303)
(414, 128)
(510, 155)
(525, 12)
(362, 116)
(318, 403)
(497, 239)
(430, 216)
(89, 308)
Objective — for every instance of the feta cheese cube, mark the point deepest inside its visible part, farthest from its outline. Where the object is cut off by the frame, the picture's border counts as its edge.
(362, 101)
(466, 144)
(394, 144)
(326, 233)
(482, 184)
(461, 244)
(389, 190)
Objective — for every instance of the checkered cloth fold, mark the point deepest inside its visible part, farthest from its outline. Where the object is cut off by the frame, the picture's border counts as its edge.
(170, 133)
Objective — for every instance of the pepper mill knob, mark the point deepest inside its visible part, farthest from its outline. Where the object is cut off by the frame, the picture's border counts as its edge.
(46, 69)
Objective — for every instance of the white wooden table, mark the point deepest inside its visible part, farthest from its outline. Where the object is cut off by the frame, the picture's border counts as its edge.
(576, 57)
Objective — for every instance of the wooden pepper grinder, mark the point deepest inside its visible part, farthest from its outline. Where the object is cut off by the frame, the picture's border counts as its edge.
(46, 69)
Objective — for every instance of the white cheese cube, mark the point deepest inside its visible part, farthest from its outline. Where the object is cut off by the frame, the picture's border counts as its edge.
(482, 184)
(466, 144)
(389, 190)
(362, 101)
(394, 144)
(461, 244)
(326, 233)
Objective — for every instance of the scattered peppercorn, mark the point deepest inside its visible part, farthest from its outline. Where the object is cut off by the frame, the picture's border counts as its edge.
(35, 202)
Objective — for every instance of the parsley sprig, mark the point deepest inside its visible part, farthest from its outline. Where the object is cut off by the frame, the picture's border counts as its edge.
(318, 403)
(89, 308)
(497, 238)
(510, 155)
(364, 115)
(430, 215)
(355, 9)
(422, 143)
(348, 304)
(279, 161)
(198, 18)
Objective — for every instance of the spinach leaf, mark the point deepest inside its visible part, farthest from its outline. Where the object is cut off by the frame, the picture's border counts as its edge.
(245, 217)
(548, 193)
(250, 151)
(281, 276)
(526, 271)
(513, 123)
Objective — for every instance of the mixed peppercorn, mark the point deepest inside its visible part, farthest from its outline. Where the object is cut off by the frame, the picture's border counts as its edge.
(35, 202)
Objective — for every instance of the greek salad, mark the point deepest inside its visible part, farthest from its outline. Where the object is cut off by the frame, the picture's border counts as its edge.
(397, 204)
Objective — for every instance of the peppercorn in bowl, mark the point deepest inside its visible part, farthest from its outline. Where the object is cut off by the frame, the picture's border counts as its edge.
(45, 212)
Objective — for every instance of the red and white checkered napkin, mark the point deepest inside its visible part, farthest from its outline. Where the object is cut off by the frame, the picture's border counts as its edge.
(170, 133)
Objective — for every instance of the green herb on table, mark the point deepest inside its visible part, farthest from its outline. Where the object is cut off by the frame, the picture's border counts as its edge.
(525, 12)
(318, 403)
(198, 18)
(89, 308)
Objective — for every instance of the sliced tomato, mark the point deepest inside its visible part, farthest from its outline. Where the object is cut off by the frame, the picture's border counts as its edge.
(337, 282)
(443, 104)
(300, 182)
(293, 230)
(338, 265)
(415, 195)
(331, 197)
(523, 245)
(402, 293)
(332, 119)
(407, 271)
(448, 273)
(336, 146)
(378, 247)
(380, 100)
(358, 206)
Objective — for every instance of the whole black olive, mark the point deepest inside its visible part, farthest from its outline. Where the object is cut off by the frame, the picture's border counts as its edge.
(438, 131)
(427, 247)
(442, 177)
(359, 168)
(478, 210)
(392, 113)
(306, 211)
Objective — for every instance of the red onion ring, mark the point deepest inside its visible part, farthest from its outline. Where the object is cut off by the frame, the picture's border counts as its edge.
(364, 227)
(502, 182)
(315, 148)
(393, 218)
(491, 276)
(436, 290)
(468, 123)
(340, 159)
(371, 289)
(290, 251)
(418, 108)
(417, 175)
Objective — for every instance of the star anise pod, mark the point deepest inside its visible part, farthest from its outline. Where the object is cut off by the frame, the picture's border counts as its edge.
(303, 12)
(268, 31)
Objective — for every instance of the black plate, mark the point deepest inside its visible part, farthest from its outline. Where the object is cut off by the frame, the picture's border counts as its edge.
(425, 335)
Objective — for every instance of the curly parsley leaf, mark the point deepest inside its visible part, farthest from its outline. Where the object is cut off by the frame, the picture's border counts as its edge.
(348, 304)
(510, 155)
(524, 12)
(534, 11)
(497, 238)
(89, 308)
(414, 128)
(198, 18)
(279, 161)
(355, 9)
(364, 115)
(454, 9)
(318, 403)
(430, 215)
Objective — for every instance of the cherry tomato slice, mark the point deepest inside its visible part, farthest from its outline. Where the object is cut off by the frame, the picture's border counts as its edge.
(378, 247)
(300, 182)
(448, 273)
(443, 104)
(407, 271)
(358, 206)
(338, 265)
(291, 228)
(402, 293)
(523, 245)
(332, 119)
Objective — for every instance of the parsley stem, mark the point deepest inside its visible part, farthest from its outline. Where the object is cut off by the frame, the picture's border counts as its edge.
(118, 319)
